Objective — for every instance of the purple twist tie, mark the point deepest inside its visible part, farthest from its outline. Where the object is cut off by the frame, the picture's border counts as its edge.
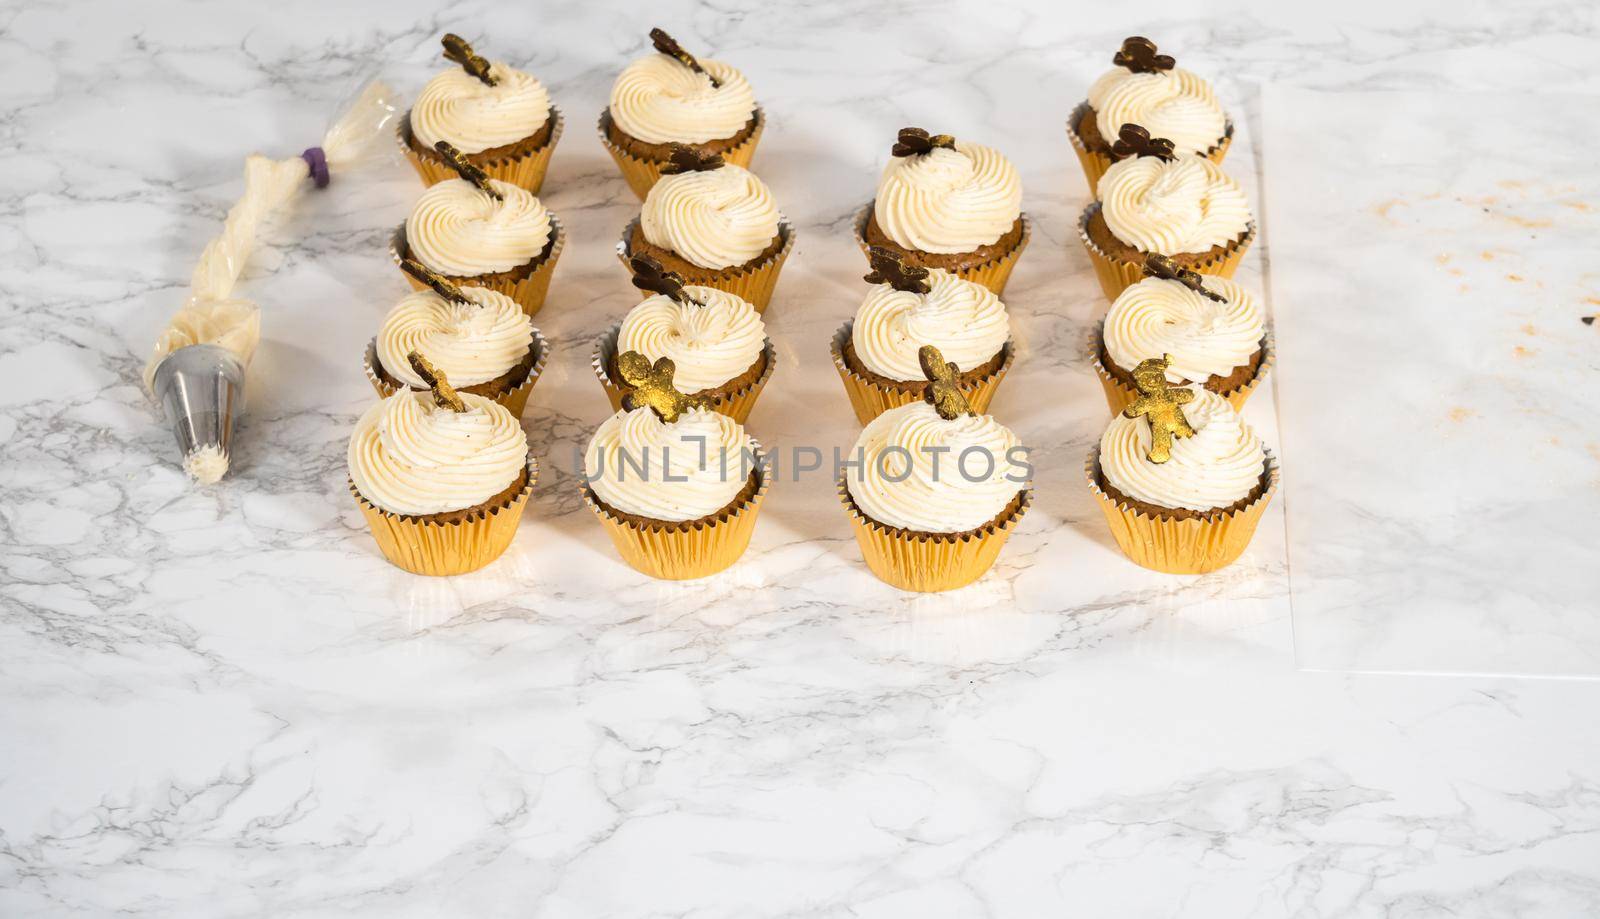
(318, 161)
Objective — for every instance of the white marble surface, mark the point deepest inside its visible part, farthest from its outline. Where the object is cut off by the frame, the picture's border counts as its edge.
(222, 702)
(1480, 264)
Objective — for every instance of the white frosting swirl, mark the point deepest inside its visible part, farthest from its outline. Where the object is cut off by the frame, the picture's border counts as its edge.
(471, 342)
(948, 201)
(965, 321)
(1174, 104)
(1172, 206)
(409, 456)
(935, 497)
(1203, 337)
(1216, 467)
(715, 219)
(659, 100)
(459, 231)
(693, 467)
(474, 116)
(709, 345)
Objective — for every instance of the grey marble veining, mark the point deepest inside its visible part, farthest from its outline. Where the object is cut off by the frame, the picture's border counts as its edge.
(223, 702)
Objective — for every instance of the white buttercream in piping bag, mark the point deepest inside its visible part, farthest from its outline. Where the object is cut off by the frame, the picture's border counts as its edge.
(212, 315)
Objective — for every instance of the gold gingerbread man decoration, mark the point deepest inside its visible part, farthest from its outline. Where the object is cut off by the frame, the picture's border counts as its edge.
(1160, 403)
(464, 168)
(444, 395)
(652, 386)
(944, 387)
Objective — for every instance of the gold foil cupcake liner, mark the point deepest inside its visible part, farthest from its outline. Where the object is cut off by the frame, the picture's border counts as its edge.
(529, 291)
(1096, 163)
(753, 283)
(736, 405)
(1119, 395)
(929, 562)
(526, 169)
(992, 274)
(514, 399)
(642, 173)
(423, 546)
(870, 399)
(1116, 275)
(691, 549)
(1180, 546)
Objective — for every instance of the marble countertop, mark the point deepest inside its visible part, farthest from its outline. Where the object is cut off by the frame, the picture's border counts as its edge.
(223, 702)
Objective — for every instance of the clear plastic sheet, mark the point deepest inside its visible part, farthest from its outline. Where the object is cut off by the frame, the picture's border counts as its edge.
(1432, 257)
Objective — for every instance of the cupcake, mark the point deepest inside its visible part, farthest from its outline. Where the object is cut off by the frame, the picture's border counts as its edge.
(949, 204)
(1181, 478)
(713, 223)
(675, 98)
(480, 339)
(482, 232)
(933, 489)
(1154, 201)
(877, 354)
(715, 340)
(676, 485)
(1211, 331)
(499, 118)
(1150, 90)
(441, 477)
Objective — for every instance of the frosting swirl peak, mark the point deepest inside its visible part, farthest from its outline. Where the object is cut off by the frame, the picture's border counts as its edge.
(1217, 466)
(1174, 104)
(921, 472)
(459, 231)
(1171, 207)
(659, 100)
(715, 218)
(965, 321)
(471, 342)
(948, 200)
(1202, 337)
(683, 470)
(409, 456)
(709, 344)
(474, 116)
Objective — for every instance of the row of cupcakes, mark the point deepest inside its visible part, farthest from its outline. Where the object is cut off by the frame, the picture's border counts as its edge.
(455, 360)
(502, 121)
(1180, 476)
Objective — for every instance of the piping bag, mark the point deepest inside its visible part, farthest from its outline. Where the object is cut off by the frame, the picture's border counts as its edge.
(198, 368)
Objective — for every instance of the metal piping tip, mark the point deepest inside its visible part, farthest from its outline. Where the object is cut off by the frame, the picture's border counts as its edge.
(201, 389)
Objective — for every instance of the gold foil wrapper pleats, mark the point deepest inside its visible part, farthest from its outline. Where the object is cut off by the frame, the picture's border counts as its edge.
(929, 562)
(1119, 395)
(641, 174)
(423, 546)
(526, 170)
(681, 551)
(755, 283)
(529, 291)
(1116, 275)
(1180, 546)
(514, 399)
(870, 399)
(736, 404)
(992, 274)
